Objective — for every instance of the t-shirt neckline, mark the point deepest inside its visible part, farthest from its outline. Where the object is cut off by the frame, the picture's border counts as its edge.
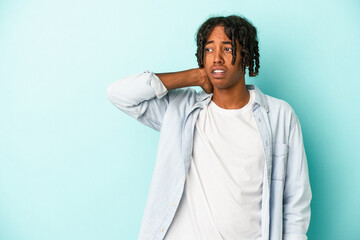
(237, 110)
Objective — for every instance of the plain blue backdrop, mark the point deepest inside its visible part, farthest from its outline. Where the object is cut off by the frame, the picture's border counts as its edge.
(72, 166)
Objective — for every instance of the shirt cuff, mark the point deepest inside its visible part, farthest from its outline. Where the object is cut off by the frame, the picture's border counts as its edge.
(157, 85)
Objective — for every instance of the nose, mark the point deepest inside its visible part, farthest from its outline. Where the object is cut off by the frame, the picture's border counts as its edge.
(218, 58)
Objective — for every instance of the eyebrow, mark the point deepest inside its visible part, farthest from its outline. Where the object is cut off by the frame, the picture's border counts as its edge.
(225, 42)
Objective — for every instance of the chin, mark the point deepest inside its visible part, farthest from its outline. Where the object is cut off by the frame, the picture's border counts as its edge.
(220, 86)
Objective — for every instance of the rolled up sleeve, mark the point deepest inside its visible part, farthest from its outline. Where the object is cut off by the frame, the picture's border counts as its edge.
(141, 96)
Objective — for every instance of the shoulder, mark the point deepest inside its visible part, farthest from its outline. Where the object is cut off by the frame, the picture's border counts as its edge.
(278, 104)
(181, 95)
(281, 108)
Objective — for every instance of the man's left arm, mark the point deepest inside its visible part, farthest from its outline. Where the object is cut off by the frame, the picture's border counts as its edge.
(297, 191)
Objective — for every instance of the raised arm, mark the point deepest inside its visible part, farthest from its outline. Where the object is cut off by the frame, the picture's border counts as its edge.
(145, 96)
(191, 77)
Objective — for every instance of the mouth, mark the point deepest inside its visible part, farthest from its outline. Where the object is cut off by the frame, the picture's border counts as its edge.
(218, 73)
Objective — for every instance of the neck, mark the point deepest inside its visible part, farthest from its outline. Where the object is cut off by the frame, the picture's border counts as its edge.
(234, 97)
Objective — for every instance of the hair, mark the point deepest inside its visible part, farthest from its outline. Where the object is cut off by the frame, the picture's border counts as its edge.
(235, 27)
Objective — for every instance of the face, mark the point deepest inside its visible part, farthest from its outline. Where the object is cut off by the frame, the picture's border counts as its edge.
(217, 60)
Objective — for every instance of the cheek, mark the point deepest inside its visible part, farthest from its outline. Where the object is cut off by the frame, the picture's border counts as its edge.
(206, 59)
(237, 59)
(207, 64)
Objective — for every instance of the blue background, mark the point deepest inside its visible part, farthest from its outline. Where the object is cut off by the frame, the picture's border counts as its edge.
(72, 166)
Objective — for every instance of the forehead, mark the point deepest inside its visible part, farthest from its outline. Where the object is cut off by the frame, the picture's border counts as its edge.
(218, 34)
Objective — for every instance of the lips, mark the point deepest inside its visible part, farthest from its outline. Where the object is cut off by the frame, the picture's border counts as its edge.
(218, 72)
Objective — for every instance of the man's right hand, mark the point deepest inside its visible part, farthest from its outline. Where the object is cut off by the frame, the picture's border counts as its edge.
(206, 85)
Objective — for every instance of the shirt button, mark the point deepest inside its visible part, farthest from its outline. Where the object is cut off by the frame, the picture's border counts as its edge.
(173, 204)
(162, 229)
(259, 120)
(183, 179)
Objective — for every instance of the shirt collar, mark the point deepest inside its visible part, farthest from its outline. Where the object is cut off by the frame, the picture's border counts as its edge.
(260, 98)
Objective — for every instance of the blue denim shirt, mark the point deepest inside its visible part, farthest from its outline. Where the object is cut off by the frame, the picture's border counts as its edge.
(286, 188)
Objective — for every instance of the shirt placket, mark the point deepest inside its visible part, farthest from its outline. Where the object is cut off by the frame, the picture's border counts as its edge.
(262, 121)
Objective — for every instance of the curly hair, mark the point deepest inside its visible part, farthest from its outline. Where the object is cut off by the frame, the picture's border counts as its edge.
(236, 27)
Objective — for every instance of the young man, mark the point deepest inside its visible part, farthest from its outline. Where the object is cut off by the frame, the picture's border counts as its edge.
(231, 162)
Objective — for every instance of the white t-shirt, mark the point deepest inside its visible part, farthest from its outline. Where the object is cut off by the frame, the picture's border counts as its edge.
(223, 190)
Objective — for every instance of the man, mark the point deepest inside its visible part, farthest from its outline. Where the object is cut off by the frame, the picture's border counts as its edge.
(231, 162)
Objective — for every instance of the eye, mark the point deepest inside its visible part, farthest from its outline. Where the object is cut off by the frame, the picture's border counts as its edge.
(228, 49)
(207, 49)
